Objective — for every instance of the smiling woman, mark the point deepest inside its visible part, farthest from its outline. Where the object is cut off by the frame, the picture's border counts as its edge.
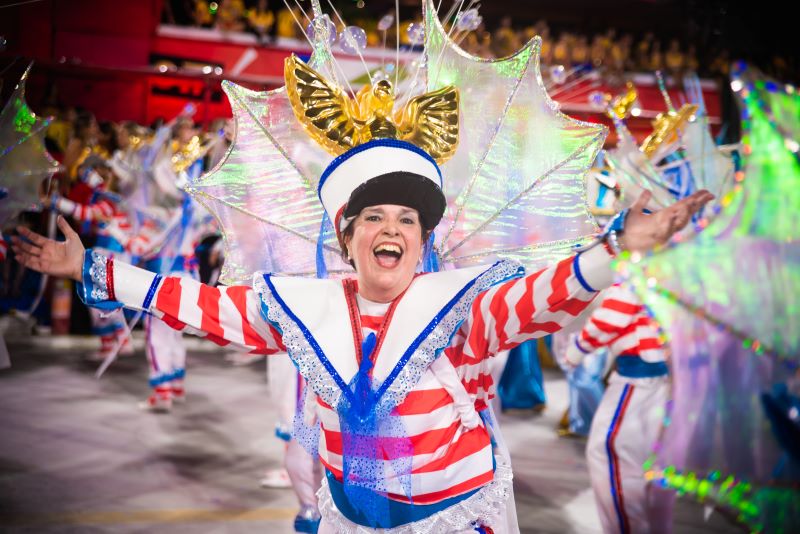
(384, 245)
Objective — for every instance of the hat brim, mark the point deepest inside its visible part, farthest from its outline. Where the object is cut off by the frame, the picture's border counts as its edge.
(402, 189)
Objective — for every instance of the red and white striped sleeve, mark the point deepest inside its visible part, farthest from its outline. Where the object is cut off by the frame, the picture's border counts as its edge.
(534, 306)
(3, 247)
(224, 315)
(96, 211)
(618, 323)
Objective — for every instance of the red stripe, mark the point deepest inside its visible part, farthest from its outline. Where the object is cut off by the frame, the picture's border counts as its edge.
(110, 279)
(238, 295)
(468, 443)
(605, 327)
(482, 381)
(617, 477)
(208, 302)
(168, 299)
(371, 322)
(621, 306)
(525, 306)
(498, 308)
(428, 498)
(423, 401)
(476, 341)
(452, 491)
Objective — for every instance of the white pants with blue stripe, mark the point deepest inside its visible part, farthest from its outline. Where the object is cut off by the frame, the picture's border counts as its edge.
(624, 429)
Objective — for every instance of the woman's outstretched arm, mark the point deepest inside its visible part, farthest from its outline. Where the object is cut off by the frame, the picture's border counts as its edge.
(225, 315)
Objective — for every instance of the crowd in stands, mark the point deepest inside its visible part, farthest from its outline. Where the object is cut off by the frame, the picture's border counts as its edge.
(608, 50)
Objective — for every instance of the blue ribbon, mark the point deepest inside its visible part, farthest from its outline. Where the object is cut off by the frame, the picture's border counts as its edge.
(430, 260)
(325, 229)
(368, 442)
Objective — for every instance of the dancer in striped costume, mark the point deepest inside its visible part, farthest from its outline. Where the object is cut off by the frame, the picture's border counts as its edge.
(629, 417)
(453, 474)
(398, 363)
(102, 214)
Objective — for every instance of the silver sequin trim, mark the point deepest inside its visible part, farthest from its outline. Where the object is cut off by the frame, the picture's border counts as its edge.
(297, 346)
(97, 274)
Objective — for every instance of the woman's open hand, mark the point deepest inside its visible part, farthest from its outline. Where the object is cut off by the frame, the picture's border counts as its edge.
(57, 258)
(645, 231)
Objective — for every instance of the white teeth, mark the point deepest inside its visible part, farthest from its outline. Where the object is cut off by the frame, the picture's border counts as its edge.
(386, 247)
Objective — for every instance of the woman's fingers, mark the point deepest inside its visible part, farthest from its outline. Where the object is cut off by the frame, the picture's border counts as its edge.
(27, 248)
(32, 236)
(65, 228)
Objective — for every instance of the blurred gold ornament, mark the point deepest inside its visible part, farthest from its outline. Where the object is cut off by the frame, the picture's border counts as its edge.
(621, 105)
(666, 127)
(339, 123)
(184, 156)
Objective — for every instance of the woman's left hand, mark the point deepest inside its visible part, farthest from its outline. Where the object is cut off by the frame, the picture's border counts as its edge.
(645, 231)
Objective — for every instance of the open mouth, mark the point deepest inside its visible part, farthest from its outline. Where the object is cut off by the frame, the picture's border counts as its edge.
(388, 254)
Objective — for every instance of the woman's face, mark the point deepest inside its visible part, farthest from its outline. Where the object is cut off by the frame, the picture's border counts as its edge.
(385, 246)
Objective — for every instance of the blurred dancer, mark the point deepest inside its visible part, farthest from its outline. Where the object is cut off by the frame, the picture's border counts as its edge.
(629, 417)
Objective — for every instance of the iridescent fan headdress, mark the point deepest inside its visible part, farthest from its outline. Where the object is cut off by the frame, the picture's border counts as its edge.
(509, 164)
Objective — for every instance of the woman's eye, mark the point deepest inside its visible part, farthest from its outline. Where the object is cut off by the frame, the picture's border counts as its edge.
(372, 218)
(407, 220)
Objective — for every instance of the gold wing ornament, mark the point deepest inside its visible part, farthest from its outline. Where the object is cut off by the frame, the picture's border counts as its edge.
(430, 121)
(666, 127)
(322, 108)
(339, 123)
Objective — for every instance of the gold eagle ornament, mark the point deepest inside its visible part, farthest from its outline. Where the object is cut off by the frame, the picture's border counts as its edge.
(622, 105)
(338, 122)
(666, 127)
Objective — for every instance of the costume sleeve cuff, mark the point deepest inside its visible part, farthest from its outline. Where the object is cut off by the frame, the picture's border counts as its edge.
(575, 352)
(593, 269)
(96, 288)
(109, 284)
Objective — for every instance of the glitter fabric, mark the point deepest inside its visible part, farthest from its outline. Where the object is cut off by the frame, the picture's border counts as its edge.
(487, 506)
(727, 301)
(98, 275)
(24, 161)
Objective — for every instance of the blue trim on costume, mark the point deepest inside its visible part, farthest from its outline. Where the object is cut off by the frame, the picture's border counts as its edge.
(611, 463)
(158, 380)
(577, 270)
(399, 513)
(311, 341)
(431, 326)
(177, 374)
(151, 292)
(107, 329)
(581, 348)
(632, 366)
(109, 243)
(392, 143)
(283, 434)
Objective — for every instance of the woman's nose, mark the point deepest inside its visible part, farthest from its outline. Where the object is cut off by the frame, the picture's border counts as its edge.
(390, 228)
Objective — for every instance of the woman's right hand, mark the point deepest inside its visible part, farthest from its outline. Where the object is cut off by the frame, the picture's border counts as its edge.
(57, 258)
